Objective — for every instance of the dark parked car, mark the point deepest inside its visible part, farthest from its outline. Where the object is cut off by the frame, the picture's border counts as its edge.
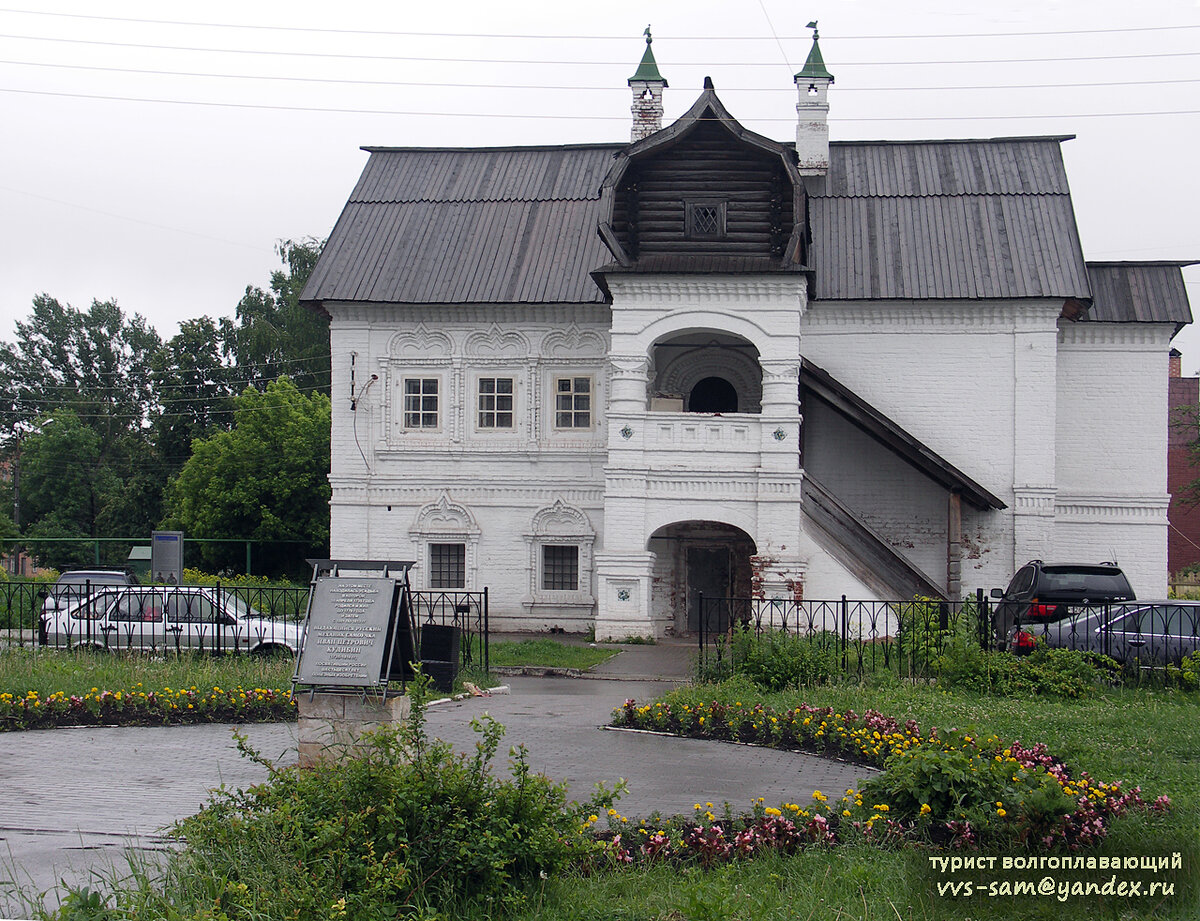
(1042, 593)
(1151, 633)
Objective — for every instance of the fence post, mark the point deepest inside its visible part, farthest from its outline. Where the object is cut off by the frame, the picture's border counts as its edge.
(486, 632)
(700, 626)
(984, 619)
(845, 630)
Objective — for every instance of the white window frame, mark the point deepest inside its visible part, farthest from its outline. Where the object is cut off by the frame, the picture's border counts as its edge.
(440, 395)
(543, 572)
(557, 378)
(478, 410)
(429, 552)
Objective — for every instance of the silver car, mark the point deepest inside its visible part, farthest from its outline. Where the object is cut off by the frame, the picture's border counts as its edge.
(169, 619)
(1151, 632)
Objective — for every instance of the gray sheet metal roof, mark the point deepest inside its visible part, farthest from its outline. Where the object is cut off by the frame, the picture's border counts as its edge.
(911, 220)
(946, 219)
(498, 225)
(1139, 292)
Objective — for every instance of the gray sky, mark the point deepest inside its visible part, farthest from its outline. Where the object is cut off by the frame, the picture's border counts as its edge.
(154, 152)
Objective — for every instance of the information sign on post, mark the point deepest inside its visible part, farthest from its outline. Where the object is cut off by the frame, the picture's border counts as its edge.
(349, 632)
(166, 557)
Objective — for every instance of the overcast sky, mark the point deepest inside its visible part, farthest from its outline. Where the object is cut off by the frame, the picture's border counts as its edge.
(155, 152)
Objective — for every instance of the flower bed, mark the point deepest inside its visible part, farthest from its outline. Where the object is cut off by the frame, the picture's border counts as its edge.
(951, 788)
(138, 707)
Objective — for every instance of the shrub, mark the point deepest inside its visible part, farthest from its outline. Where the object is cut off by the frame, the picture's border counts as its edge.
(402, 828)
(1045, 671)
(775, 660)
(1186, 675)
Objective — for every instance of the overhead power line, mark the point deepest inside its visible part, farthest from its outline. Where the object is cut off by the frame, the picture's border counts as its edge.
(333, 81)
(557, 38)
(575, 116)
(1056, 59)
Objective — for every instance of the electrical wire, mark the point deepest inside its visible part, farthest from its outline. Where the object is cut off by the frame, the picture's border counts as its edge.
(581, 117)
(579, 88)
(557, 38)
(323, 55)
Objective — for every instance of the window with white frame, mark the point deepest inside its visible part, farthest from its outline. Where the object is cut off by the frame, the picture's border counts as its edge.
(560, 568)
(495, 403)
(573, 402)
(447, 565)
(421, 402)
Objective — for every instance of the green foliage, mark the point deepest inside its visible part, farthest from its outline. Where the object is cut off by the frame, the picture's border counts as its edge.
(266, 480)
(777, 660)
(1044, 672)
(400, 827)
(274, 335)
(1186, 675)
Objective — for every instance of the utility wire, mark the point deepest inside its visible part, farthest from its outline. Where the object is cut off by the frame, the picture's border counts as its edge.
(578, 116)
(622, 38)
(1057, 59)
(580, 88)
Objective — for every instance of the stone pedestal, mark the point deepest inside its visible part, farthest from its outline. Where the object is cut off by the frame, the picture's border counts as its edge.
(331, 726)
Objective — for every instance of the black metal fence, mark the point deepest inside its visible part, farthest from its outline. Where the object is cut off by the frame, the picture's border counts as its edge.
(215, 618)
(841, 637)
(464, 613)
(909, 639)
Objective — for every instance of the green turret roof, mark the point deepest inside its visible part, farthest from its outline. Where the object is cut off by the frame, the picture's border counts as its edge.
(815, 65)
(647, 71)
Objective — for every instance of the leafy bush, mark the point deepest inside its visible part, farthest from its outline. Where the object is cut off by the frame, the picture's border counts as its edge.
(1186, 675)
(775, 660)
(401, 828)
(1045, 671)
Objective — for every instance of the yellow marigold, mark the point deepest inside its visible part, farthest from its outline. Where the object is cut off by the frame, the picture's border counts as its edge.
(771, 810)
(925, 810)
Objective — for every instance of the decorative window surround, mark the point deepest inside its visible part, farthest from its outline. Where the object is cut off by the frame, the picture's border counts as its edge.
(561, 525)
(445, 522)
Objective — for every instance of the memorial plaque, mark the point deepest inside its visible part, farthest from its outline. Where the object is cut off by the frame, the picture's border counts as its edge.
(349, 631)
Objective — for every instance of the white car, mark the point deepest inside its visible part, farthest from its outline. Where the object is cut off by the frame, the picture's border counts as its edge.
(169, 619)
(74, 586)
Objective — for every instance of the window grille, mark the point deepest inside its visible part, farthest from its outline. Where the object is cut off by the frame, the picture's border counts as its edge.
(560, 568)
(447, 565)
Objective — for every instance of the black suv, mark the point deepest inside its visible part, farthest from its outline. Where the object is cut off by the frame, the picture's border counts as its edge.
(1042, 593)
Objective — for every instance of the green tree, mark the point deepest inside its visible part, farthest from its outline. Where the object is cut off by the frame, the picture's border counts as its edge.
(276, 337)
(265, 480)
(195, 385)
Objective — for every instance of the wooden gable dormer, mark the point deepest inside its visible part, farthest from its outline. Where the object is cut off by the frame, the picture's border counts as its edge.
(705, 194)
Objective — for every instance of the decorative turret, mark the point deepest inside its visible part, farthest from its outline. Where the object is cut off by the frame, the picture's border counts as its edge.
(647, 85)
(812, 112)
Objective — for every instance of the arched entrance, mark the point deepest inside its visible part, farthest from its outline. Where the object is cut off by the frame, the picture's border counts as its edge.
(707, 371)
(695, 559)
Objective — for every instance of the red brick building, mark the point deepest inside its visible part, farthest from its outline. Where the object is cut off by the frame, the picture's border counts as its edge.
(1183, 541)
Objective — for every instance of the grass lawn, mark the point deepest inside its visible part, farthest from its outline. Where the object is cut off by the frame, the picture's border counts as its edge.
(48, 671)
(1147, 738)
(548, 653)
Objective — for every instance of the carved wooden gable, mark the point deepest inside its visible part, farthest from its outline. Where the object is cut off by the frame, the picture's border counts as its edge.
(704, 187)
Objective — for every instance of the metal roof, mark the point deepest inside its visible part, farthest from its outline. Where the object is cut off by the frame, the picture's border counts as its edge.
(911, 220)
(1139, 292)
(495, 225)
(946, 219)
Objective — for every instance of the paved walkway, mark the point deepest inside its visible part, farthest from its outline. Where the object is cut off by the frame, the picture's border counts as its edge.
(75, 799)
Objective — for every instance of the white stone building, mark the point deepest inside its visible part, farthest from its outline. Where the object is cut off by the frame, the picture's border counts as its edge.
(599, 379)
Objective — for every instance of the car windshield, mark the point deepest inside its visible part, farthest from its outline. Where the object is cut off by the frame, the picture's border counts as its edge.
(1085, 583)
(242, 609)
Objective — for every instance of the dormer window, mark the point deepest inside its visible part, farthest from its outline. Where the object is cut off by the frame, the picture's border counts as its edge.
(705, 219)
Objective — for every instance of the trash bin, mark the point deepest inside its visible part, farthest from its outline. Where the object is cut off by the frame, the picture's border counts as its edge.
(439, 655)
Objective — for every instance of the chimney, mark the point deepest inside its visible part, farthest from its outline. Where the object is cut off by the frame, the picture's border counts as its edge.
(812, 112)
(647, 85)
(1175, 363)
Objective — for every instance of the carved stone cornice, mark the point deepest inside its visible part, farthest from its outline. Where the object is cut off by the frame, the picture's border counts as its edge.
(872, 316)
(780, 291)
